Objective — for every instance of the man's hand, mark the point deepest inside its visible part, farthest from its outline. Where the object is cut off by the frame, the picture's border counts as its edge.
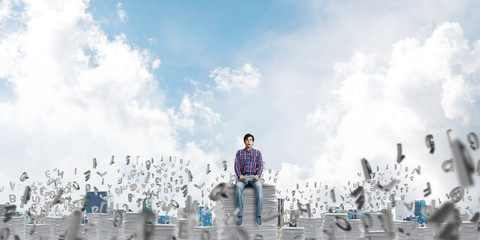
(241, 178)
(256, 178)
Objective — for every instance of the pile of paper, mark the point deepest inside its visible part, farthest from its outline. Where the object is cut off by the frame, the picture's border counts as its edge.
(16, 225)
(425, 232)
(329, 226)
(59, 226)
(37, 231)
(289, 233)
(100, 226)
(380, 235)
(356, 229)
(203, 232)
(407, 230)
(92, 226)
(312, 227)
(376, 223)
(468, 230)
(183, 227)
(131, 221)
(226, 219)
(163, 231)
(107, 230)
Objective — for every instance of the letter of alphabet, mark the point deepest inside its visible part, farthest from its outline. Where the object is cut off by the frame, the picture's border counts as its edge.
(464, 163)
(449, 137)
(447, 165)
(13, 198)
(367, 169)
(185, 190)
(218, 192)
(190, 176)
(428, 190)
(224, 164)
(26, 195)
(87, 175)
(400, 156)
(148, 164)
(457, 194)
(9, 211)
(208, 169)
(430, 143)
(345, 226)
(473, 140)
(24, 176)
(361, 197)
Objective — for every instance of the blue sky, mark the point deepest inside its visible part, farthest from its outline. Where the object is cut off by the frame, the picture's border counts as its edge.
(321, 84)
(192, 37)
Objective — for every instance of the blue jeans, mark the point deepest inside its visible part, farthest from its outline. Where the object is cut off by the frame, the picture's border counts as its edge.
(239, 186)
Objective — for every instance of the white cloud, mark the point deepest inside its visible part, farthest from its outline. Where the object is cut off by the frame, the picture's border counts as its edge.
(76, 94)
(194, 114)
(246, 79)
(156, 63)
(425, 86)
(122, 15)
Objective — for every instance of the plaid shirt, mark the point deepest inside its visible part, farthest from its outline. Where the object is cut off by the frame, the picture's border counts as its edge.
(248, 162)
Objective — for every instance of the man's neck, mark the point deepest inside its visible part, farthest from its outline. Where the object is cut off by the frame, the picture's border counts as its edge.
(248, 149)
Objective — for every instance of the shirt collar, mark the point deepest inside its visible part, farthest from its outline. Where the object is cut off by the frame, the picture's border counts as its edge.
(245, 149)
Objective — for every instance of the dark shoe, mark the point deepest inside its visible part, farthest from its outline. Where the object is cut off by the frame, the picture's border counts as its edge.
(259, 221)
(239, 223)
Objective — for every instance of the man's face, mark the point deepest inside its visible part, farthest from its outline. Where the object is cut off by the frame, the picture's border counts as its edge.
(249, 142)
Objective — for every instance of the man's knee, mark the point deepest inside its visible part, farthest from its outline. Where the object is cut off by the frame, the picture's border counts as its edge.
(238, 186)
(259, 185)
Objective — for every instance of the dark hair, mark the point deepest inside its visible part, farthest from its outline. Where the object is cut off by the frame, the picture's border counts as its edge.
(248, 135)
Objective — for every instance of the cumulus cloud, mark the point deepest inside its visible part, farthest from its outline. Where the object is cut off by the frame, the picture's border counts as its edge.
(194, 113)
(75, 93)
(245, 79)
(122, 15)
(424, 86)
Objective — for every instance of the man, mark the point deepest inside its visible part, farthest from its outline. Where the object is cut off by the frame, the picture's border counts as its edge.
(249, 167)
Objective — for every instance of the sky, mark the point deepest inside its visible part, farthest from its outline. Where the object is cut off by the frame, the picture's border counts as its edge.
(320, 84)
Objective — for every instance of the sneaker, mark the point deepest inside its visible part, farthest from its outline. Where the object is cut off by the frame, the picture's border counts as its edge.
(239, 223)
(259, 221)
